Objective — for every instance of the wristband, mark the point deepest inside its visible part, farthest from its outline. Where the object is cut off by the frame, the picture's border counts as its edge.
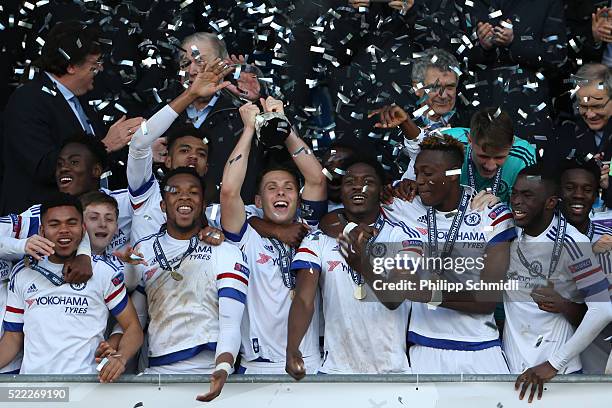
(436, 299)
(227, 367)
(349, 227)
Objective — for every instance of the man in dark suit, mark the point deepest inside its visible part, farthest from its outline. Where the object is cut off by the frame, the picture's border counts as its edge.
(590, 133)
(44, 112)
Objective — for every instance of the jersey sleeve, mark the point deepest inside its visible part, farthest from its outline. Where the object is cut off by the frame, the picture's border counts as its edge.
(15, 303)
(246, 234)
(586, 271)
(115, 294)
(498, 224)
(233, 274)
(308, 255)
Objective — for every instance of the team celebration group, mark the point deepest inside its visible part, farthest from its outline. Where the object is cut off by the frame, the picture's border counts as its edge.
(238, 246)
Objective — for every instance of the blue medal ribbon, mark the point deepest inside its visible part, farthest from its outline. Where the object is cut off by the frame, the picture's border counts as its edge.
(556, 254)
(160, 256)
(453, 232)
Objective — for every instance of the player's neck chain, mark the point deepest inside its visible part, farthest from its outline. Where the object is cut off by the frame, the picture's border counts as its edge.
(472, 178)
(50, 276)
(360, 293)
(453, 232)
(285, 255)
(535, 268)
(161, 259)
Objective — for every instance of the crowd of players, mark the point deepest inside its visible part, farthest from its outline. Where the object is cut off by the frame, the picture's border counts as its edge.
(262, 264)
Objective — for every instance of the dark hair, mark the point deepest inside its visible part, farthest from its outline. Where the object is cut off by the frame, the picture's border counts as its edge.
(95, 147)
(447, 144)
(175, 172)
(68, 43)
(370, 161)
(289, 168)
(58, 199)
(587, 165)
(187, 129)
(490, 128)
(549, 177)
(98, 197)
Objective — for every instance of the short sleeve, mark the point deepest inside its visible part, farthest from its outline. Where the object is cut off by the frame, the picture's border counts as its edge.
(115, 294)
(498, 224)
(308, 255)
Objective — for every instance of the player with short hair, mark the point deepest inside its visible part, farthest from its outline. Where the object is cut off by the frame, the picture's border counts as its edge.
(195, 293)
(493, 156)
(72, 316)
(452, 332)
(187, 146)
(549, 251)
(100, 213)
(264, 336)
(361, 336)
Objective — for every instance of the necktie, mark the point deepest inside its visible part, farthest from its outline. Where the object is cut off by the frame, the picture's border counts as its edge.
(85, 123)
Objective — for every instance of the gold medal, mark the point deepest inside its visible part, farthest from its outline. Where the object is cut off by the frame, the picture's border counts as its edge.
(360, 292)
(292, 294)
(176, 276)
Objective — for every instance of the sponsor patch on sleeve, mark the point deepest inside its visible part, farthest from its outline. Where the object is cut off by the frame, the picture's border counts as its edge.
(497, 211)
(241, 268)
(118, 279)
(582, 265)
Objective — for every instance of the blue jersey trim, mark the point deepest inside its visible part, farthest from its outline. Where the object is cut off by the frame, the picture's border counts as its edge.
(445, 344)
(181, 355)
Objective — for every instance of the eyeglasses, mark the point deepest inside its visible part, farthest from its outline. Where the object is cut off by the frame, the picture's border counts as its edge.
(594, 108)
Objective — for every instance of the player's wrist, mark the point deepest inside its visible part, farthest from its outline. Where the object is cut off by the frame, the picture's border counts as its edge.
(226, 367)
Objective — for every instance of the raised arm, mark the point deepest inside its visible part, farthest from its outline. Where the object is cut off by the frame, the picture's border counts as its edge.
(140, 158)
(315, 184)
(233, 215)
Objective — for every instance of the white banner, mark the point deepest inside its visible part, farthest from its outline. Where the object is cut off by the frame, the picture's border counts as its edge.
(306, 395)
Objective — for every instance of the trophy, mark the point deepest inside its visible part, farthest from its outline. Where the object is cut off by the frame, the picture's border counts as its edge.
(272, 129)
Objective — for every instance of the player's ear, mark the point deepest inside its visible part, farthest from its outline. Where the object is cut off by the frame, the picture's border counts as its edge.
(162, 205)
(97, 171)
(258, 202)
(551, 203)
(168, 161)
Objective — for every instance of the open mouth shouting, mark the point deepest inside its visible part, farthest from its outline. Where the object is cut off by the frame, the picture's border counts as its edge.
(359, 198)
(64, 181)
(185, 209)
(64, 242)
(577, 209)
(519, 214)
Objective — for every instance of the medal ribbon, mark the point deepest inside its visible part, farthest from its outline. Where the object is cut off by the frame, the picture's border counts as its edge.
(556, 254)
(51, 277)
(160, 256)
(284, 262)
(472, 178)
(378, 224)
(453, 232)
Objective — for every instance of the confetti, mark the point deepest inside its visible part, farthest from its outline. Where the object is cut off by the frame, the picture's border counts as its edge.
(454, 172)
(106, 174)
(608, 338)
(495, 14)
(506, 24)
(143, 128)
(64, 54)
(327, 174)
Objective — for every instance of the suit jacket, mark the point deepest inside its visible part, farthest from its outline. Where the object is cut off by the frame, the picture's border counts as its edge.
(579, 137)
(36, 123)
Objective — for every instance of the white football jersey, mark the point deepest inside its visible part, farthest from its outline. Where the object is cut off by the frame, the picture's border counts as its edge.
(5, 272)
(148, 216)
(27, 223)
(264, 330)
(444, 328)
(184, 315)
(62, 325)
(594, 357)
(531, 335)
(361, 336)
